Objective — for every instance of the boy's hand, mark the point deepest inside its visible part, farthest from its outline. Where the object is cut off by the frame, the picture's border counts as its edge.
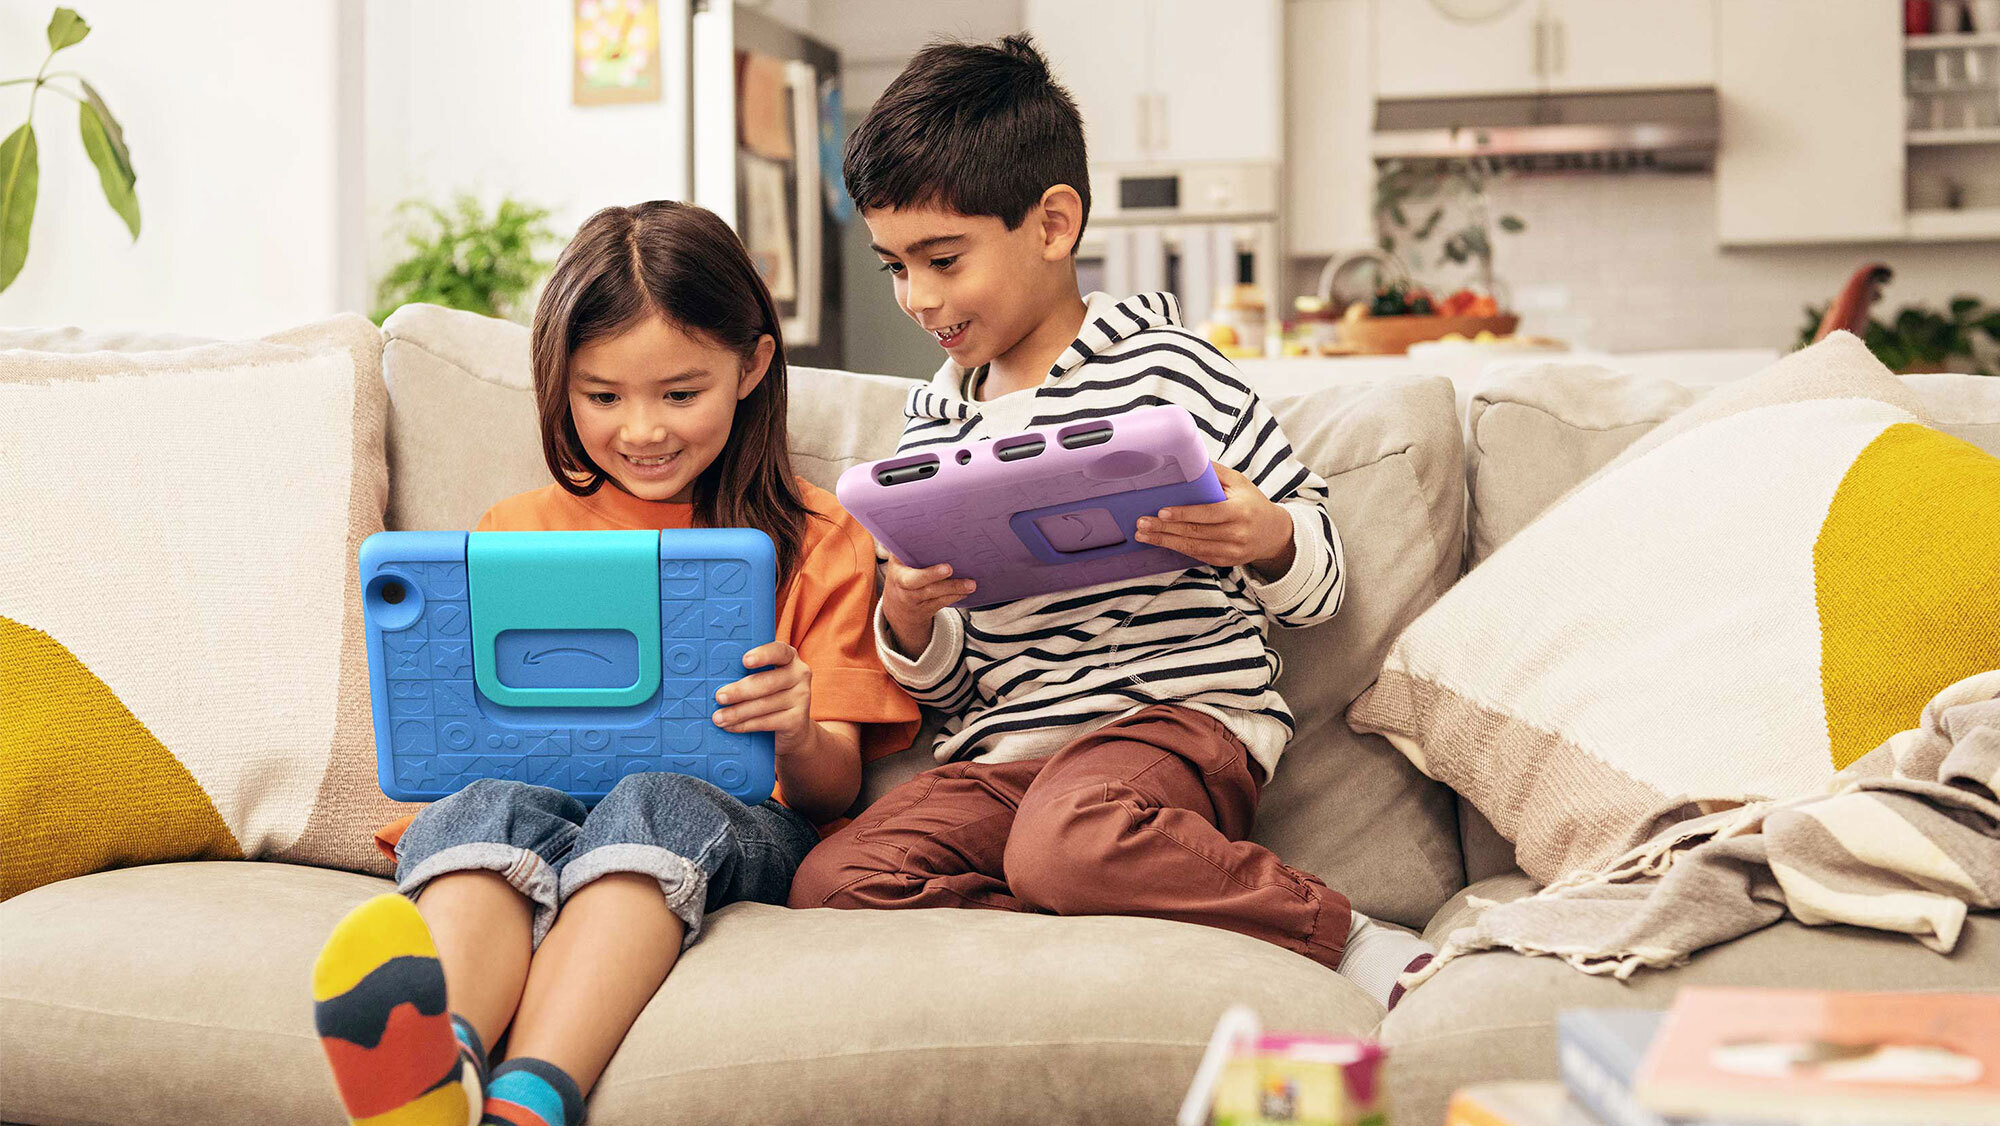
(1243, 529)
(911, 597)
(778, 699)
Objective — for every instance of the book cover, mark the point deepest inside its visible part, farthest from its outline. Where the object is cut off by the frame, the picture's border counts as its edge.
(1598, 1054)
(1826, 1056)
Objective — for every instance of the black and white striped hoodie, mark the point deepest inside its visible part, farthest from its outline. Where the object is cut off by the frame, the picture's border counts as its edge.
(1022, 678)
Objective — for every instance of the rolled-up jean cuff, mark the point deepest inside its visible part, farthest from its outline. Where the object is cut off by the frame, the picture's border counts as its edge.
(683, 883)
(523, 870)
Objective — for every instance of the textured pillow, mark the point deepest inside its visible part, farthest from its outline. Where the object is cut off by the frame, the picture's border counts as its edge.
(1745, 600)
(181, 671)
(1536, 431)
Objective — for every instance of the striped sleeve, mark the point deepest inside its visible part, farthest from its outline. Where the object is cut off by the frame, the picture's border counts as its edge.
(938, 678)
(1312, 590)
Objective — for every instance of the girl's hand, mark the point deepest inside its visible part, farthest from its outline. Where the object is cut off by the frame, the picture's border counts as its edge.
(1243, 529)
(912, 597)
(778, 699)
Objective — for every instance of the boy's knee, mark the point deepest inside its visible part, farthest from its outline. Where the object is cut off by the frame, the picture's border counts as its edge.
(1059, 858)
(845, 878)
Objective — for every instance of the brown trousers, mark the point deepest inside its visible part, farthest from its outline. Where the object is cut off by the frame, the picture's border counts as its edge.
(1145, 816)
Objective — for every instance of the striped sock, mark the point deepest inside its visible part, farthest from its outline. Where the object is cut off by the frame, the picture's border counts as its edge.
(379, 1005)
(532, 1092)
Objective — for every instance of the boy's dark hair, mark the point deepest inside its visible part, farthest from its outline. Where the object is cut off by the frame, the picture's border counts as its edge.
(681, 263)
(979, 128)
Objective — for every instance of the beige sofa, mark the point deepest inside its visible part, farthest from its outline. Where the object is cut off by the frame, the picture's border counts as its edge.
(176, 993)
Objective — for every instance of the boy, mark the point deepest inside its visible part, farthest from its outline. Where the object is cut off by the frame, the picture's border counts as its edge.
(1105, 747)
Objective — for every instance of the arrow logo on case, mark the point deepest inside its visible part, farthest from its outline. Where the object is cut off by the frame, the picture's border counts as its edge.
(536, 658)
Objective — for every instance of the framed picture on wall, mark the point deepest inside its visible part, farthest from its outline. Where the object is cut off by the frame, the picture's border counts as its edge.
(617, 52)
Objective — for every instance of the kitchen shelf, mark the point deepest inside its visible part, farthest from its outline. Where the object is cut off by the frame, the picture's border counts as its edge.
(1966, 225)
(1924, 138)
(1956, 39)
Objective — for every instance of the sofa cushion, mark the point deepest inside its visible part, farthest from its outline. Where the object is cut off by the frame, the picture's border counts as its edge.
(1536, 431)
(1740, 604)
(182, 626)
(1492, 1016)
(190, 981)
(464, 435)
(1346, 806)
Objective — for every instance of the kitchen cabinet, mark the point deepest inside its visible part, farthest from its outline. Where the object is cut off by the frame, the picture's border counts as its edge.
(1158, 82)
(1812, 122)
(1436, 48)
(1329, 114)
(1629, 44)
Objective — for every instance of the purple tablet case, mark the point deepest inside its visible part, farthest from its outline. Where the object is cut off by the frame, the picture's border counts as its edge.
(1043, 510)
(563, 659)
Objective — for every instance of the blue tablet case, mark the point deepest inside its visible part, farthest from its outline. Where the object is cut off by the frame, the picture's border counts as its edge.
(564, 659)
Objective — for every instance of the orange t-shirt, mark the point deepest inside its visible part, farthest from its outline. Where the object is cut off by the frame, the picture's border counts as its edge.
(826, 611)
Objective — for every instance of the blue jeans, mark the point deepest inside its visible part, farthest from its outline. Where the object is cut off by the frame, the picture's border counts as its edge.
(706, 848)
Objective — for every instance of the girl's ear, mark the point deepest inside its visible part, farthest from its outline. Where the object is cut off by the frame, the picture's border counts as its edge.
(1061, 213)
(755, 367)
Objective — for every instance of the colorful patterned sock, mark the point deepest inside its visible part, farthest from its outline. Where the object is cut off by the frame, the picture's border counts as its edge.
(379, 1005)
(532, 1092)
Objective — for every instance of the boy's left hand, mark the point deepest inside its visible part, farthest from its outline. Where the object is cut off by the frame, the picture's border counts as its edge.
(778, 699)
(1243, 529)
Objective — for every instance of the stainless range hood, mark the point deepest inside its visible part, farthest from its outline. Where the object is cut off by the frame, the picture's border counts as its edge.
(1670, 129)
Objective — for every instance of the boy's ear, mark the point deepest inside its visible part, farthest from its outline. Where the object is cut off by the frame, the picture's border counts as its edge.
(755, 367)
(1061, 215)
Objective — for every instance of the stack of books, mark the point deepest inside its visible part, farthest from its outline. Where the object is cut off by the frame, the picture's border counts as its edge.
(1759, 1057)
(1734, 1057)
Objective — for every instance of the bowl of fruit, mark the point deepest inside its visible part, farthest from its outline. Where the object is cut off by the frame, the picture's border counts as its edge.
(1400, 316)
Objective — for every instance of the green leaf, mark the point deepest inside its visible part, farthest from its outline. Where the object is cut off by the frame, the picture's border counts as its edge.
(66, 29)
(105, 143)
(1512, 223)
(18, 177)
(1963, 307)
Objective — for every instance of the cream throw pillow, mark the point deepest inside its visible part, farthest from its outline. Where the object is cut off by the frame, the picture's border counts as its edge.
(1745, 600)
(181, 665)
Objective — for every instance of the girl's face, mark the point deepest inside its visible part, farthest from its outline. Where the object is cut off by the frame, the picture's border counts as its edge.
(653, 404)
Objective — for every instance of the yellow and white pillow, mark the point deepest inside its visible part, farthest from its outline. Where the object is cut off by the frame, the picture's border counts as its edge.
(181, 673)
(1755, 594)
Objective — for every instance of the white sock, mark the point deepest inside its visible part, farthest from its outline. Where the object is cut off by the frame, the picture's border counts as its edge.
(1377, 954)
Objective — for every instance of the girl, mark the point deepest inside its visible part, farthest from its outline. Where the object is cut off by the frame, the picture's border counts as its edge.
(660, 381)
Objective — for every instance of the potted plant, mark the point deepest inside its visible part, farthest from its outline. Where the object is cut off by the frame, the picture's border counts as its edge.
(103, 139)
(464, 258)
(1920, 339)
(1454, 227)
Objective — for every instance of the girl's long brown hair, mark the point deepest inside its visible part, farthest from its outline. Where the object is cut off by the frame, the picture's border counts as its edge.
(680, 262)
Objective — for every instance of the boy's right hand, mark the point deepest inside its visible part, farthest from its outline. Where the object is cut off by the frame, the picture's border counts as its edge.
(912, 596)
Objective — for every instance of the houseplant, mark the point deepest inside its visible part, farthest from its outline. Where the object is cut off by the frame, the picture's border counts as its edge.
(464, 258)
(103, 139)
(1920, 338)
(1433, 216)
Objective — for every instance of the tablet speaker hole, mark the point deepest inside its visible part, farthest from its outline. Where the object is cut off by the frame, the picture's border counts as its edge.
(1095, 434)
(1018, 449)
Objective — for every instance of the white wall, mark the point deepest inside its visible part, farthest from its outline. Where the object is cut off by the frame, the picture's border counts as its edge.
(234, 115)
(475, 95)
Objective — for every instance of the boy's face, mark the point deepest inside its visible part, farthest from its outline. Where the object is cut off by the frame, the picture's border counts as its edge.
(974, 285)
